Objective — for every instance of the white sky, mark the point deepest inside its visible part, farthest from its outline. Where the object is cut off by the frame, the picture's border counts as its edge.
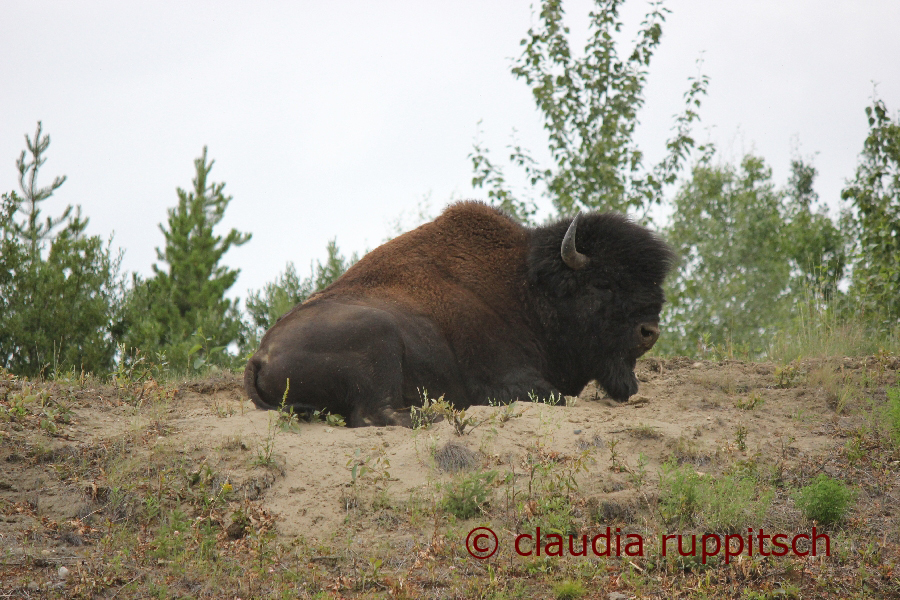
(335, 118)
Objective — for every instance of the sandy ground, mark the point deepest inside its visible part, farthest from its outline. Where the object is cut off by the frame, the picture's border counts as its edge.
(685, 408)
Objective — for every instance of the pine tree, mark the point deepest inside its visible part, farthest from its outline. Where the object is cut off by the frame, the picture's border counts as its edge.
(35, 232)
(185, 302)
(58, 291)
(265, 306)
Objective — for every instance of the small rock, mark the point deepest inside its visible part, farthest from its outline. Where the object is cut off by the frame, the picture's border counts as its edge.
(638, 400)
(577, 431)
(63, 572)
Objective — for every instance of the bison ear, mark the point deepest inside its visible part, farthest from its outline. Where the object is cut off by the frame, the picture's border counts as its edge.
(570, 255)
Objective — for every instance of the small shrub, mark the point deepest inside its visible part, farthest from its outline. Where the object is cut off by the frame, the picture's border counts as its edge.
(464, 497)
(825, 500)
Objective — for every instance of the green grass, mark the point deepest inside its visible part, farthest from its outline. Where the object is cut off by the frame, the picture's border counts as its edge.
(726, 503)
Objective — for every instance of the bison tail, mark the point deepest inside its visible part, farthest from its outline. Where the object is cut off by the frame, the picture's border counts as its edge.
(250, 385)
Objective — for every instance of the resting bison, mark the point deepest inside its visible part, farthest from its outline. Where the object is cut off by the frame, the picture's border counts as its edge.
(472, 306)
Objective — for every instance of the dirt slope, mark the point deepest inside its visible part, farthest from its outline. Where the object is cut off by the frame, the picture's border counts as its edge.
(301, 475)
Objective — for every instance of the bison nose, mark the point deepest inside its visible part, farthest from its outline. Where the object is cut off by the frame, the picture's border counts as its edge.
(649, 333)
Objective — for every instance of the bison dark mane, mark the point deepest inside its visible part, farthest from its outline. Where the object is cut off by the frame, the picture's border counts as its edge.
(475, 307)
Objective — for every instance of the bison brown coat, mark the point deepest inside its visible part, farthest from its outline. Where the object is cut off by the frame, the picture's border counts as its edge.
(473, 307)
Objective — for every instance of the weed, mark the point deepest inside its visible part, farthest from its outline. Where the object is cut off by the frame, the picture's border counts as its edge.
(789, 375)
(429, 413)
(204, 351)
(288, 420)
(335, 420)
(754, 401)
(330, 419)
(266, 448)
(824, 500)
(638, 476)
(374, 570)
(465, 496)
(506, 411)
(680, 493)
(552, 400)
(361, 467)
(552, 514)
(741, 437)
(645, 432)
(722, 504)
(614, 464)
(282, 420)
(171, 541)
(892, 414)
(223, 410)
(855, 448)
(569, 590)
(134, 374)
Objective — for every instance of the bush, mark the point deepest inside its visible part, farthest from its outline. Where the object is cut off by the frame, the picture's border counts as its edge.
(464, 497)
(825, 500)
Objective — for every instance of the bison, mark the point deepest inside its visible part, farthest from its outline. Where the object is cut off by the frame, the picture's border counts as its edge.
(474, 307)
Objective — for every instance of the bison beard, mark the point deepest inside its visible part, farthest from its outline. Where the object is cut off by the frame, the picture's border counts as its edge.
(474, 307)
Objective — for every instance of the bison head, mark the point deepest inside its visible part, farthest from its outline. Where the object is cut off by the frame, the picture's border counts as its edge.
(597, 280)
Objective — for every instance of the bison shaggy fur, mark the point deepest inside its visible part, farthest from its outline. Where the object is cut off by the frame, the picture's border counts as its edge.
(474, 307)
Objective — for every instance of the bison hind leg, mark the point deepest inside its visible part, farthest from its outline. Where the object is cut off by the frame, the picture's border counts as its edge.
(380, 417)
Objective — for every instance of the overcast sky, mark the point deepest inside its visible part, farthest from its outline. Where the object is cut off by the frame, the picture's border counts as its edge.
(334, 119)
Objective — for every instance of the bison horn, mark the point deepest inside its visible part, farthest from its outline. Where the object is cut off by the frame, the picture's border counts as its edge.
(570, 255)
